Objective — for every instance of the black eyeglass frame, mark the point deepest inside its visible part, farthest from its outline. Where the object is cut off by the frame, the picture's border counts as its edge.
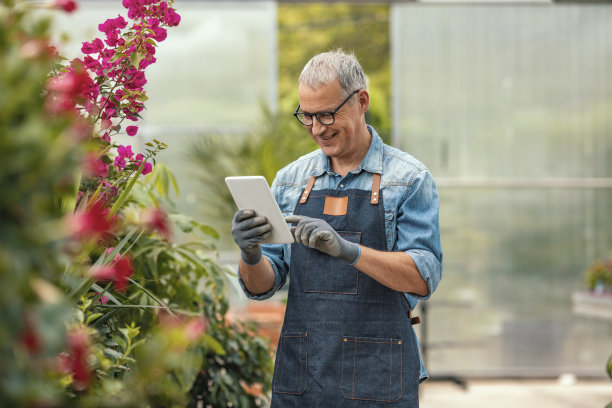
(316, 115)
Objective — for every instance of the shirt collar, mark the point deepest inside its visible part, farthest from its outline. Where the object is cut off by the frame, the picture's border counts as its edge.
(372, 162)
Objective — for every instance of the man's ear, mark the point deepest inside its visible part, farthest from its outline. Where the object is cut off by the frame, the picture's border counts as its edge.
(364, 100)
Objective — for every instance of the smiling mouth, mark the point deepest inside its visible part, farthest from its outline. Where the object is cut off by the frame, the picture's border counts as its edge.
(326, 138)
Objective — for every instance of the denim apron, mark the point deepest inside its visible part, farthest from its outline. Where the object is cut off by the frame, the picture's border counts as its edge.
(347, 340)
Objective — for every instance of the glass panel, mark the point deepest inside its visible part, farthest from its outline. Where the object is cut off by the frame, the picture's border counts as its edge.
(522, 93)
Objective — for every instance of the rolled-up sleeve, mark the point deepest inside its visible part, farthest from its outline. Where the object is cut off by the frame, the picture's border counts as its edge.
(418, 230)
(276, 254)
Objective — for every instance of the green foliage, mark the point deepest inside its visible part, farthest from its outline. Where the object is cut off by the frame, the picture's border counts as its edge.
(599, 276)
(67, 340)
(38, 155)
(308, 29)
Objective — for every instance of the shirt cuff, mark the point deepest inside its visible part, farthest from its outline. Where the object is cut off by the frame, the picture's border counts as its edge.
(263, 296)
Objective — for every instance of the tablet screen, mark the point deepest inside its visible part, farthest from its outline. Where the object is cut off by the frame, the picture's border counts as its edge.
(253, 192)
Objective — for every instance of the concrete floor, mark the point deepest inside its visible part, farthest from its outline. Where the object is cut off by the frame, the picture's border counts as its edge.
(517, 394)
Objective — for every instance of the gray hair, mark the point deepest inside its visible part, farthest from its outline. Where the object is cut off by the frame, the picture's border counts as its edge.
(324, 68)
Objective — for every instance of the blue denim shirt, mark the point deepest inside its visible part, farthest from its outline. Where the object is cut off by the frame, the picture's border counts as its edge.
(410, 199)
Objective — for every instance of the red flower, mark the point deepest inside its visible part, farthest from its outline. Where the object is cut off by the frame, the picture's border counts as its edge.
(155, 219)
(74, 361)
(91, 222)
(72, 87)
(118, 272)
(66, 5)
(29, 336)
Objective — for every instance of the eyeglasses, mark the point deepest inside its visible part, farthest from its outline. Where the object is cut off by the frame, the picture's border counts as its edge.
(324, 118)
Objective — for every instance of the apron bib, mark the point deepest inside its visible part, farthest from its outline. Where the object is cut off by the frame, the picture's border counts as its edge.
(347, 340)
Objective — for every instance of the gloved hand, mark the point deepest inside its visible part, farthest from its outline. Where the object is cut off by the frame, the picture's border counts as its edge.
(248, 231)
(318, 234)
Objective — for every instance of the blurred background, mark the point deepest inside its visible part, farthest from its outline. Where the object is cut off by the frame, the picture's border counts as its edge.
(508, 103)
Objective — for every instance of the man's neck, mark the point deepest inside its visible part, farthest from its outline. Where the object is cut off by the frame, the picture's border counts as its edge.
(342, 165)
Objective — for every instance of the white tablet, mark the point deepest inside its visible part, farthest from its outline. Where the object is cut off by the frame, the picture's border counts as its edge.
(253, 192)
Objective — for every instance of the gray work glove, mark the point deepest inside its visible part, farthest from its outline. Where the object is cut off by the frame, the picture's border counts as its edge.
(248, 231)
(318, 234)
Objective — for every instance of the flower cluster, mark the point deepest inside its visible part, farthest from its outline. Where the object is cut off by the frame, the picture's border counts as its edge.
(106, 86)
(126, 156)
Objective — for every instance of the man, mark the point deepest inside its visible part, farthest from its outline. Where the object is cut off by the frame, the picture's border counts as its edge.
(367, 249)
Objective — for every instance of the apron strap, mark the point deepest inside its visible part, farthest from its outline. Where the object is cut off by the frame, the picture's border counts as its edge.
(375, 188)
(373, 199)
(308, 189)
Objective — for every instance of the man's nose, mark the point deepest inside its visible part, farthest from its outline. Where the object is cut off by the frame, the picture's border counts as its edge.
(317, 127)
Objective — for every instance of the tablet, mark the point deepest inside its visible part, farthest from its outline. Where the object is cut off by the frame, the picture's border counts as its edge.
(253, 192)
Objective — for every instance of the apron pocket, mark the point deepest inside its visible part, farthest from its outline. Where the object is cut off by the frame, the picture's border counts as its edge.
(371, 369)
(326, 274)
(290, 370)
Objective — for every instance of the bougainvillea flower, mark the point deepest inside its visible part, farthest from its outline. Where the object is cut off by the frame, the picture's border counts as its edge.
(94, 167)
(67, 5)
(117, 272)
(147, 168)
(92, 222)
(72, 87)
(92, 47)
(155, 219)
(172, 18)
(125, 151)
(131, 130)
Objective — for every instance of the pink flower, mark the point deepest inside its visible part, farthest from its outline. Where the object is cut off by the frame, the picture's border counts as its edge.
(106, 123)
(94, 166)
(135, 80)
(92, 47)
(113, 25)
(67, 5)
(125, 151)
(172, 18)
(120, 163)
(110, 251)
(160, 33)
(91, 63)
(147, 168)
(131, 130)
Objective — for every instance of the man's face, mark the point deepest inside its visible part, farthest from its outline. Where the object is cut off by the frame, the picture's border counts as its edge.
(343, 138)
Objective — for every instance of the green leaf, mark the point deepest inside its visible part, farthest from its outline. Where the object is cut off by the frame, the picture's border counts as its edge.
(214, 345)
(120, 341)
(135, 59)
(208, 230)
(125, 194)
(114, 354)
(93, 317)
